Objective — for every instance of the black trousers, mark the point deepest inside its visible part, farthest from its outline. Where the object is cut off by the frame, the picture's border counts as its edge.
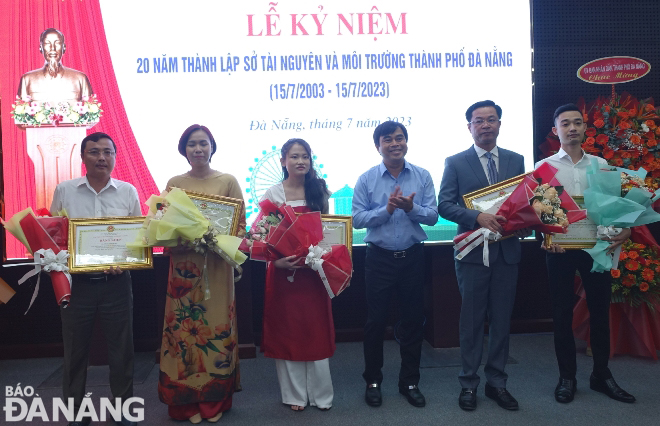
(561, 274)
(388, 272)
(111, 298)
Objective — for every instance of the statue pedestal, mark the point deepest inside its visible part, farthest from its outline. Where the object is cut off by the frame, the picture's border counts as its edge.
(55, 153)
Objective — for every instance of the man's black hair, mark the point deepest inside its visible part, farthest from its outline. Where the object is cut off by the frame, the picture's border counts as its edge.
(481, 104)
(564, 108)
(95, 137)
(387, 128)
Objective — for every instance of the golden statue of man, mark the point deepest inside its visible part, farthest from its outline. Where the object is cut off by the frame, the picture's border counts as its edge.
(54, 82)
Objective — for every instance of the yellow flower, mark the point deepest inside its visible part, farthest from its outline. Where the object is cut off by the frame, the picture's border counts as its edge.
(20, 109)
(93, 108)
(39, 116)
(74, 116)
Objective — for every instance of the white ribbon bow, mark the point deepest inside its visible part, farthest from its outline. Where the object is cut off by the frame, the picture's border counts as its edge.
(315, 261)
(481, 235)
(47, 261)
(605, 233)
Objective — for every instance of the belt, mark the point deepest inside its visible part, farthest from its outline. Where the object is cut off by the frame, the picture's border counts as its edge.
(398, 254)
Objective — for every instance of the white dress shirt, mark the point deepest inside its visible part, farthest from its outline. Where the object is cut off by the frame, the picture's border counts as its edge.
(79, 199)
(572, 176)
(484, 160)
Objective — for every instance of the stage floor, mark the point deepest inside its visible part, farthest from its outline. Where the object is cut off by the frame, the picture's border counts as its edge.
(532, 378)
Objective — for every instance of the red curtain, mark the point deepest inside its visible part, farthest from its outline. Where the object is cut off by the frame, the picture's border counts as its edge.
(21, 24)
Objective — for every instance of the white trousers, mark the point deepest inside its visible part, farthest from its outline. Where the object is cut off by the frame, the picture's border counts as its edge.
(305, 381)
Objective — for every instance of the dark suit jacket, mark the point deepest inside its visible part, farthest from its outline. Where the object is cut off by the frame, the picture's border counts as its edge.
(464, 174)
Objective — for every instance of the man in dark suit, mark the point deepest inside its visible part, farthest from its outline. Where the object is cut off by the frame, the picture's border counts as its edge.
(487, 291)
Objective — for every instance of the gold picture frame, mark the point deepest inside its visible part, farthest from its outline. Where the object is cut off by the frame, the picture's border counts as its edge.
(97, 243)
(337, 229)
(580, 235)
(490, 198)
(224, 213)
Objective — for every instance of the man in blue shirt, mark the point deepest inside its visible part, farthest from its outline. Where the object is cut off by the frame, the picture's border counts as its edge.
(391, 200)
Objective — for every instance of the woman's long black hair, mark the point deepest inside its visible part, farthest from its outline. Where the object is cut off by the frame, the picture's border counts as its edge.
(316, 190)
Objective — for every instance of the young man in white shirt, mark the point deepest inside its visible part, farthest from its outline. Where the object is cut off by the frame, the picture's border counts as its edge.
(110, 293)
(572, 163)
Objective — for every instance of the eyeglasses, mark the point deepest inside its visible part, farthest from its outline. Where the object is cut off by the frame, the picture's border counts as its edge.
(97, 153)
(480, 122)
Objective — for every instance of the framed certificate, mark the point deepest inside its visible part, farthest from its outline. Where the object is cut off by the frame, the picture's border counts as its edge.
(337, 230)
(581, 234)
(100, 242)
(224, 213)
(490, 198)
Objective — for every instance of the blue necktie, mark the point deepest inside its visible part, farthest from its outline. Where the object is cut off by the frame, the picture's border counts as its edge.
(492, 169)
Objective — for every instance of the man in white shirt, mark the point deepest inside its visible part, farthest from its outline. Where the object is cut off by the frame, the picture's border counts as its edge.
(110, 294)
(572, 163)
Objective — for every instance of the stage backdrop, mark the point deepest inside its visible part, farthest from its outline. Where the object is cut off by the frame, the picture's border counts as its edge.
(259, 73)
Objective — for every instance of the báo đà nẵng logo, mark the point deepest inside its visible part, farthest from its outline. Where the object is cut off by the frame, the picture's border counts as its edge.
(22, 404)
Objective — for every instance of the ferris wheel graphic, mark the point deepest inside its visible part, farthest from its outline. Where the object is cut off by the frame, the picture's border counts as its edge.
(265, 173)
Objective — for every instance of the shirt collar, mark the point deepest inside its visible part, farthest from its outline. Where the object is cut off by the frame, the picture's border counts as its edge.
(382, 168)
(563, 154)
(481, 152)
(83, 181)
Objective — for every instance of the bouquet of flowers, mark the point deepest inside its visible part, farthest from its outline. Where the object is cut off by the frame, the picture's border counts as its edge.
(46, 238)
(538, 202)
(638, 281)
(173, 220)
(547, 205)
(630, 181)
(616, 198)
(29, 112)
(269, 216)
(299, 235)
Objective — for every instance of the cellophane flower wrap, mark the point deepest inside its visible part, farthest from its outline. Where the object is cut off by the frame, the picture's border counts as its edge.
(613, 202)
(269, 216)
(520, 211)
(526, 208)
(46, 238)
(299, 235)
(174, 220)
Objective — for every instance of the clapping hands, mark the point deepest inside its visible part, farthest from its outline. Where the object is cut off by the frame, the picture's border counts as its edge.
(398, 201)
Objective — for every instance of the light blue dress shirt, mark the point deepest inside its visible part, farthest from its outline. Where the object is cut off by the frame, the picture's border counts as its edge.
(399, 230)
